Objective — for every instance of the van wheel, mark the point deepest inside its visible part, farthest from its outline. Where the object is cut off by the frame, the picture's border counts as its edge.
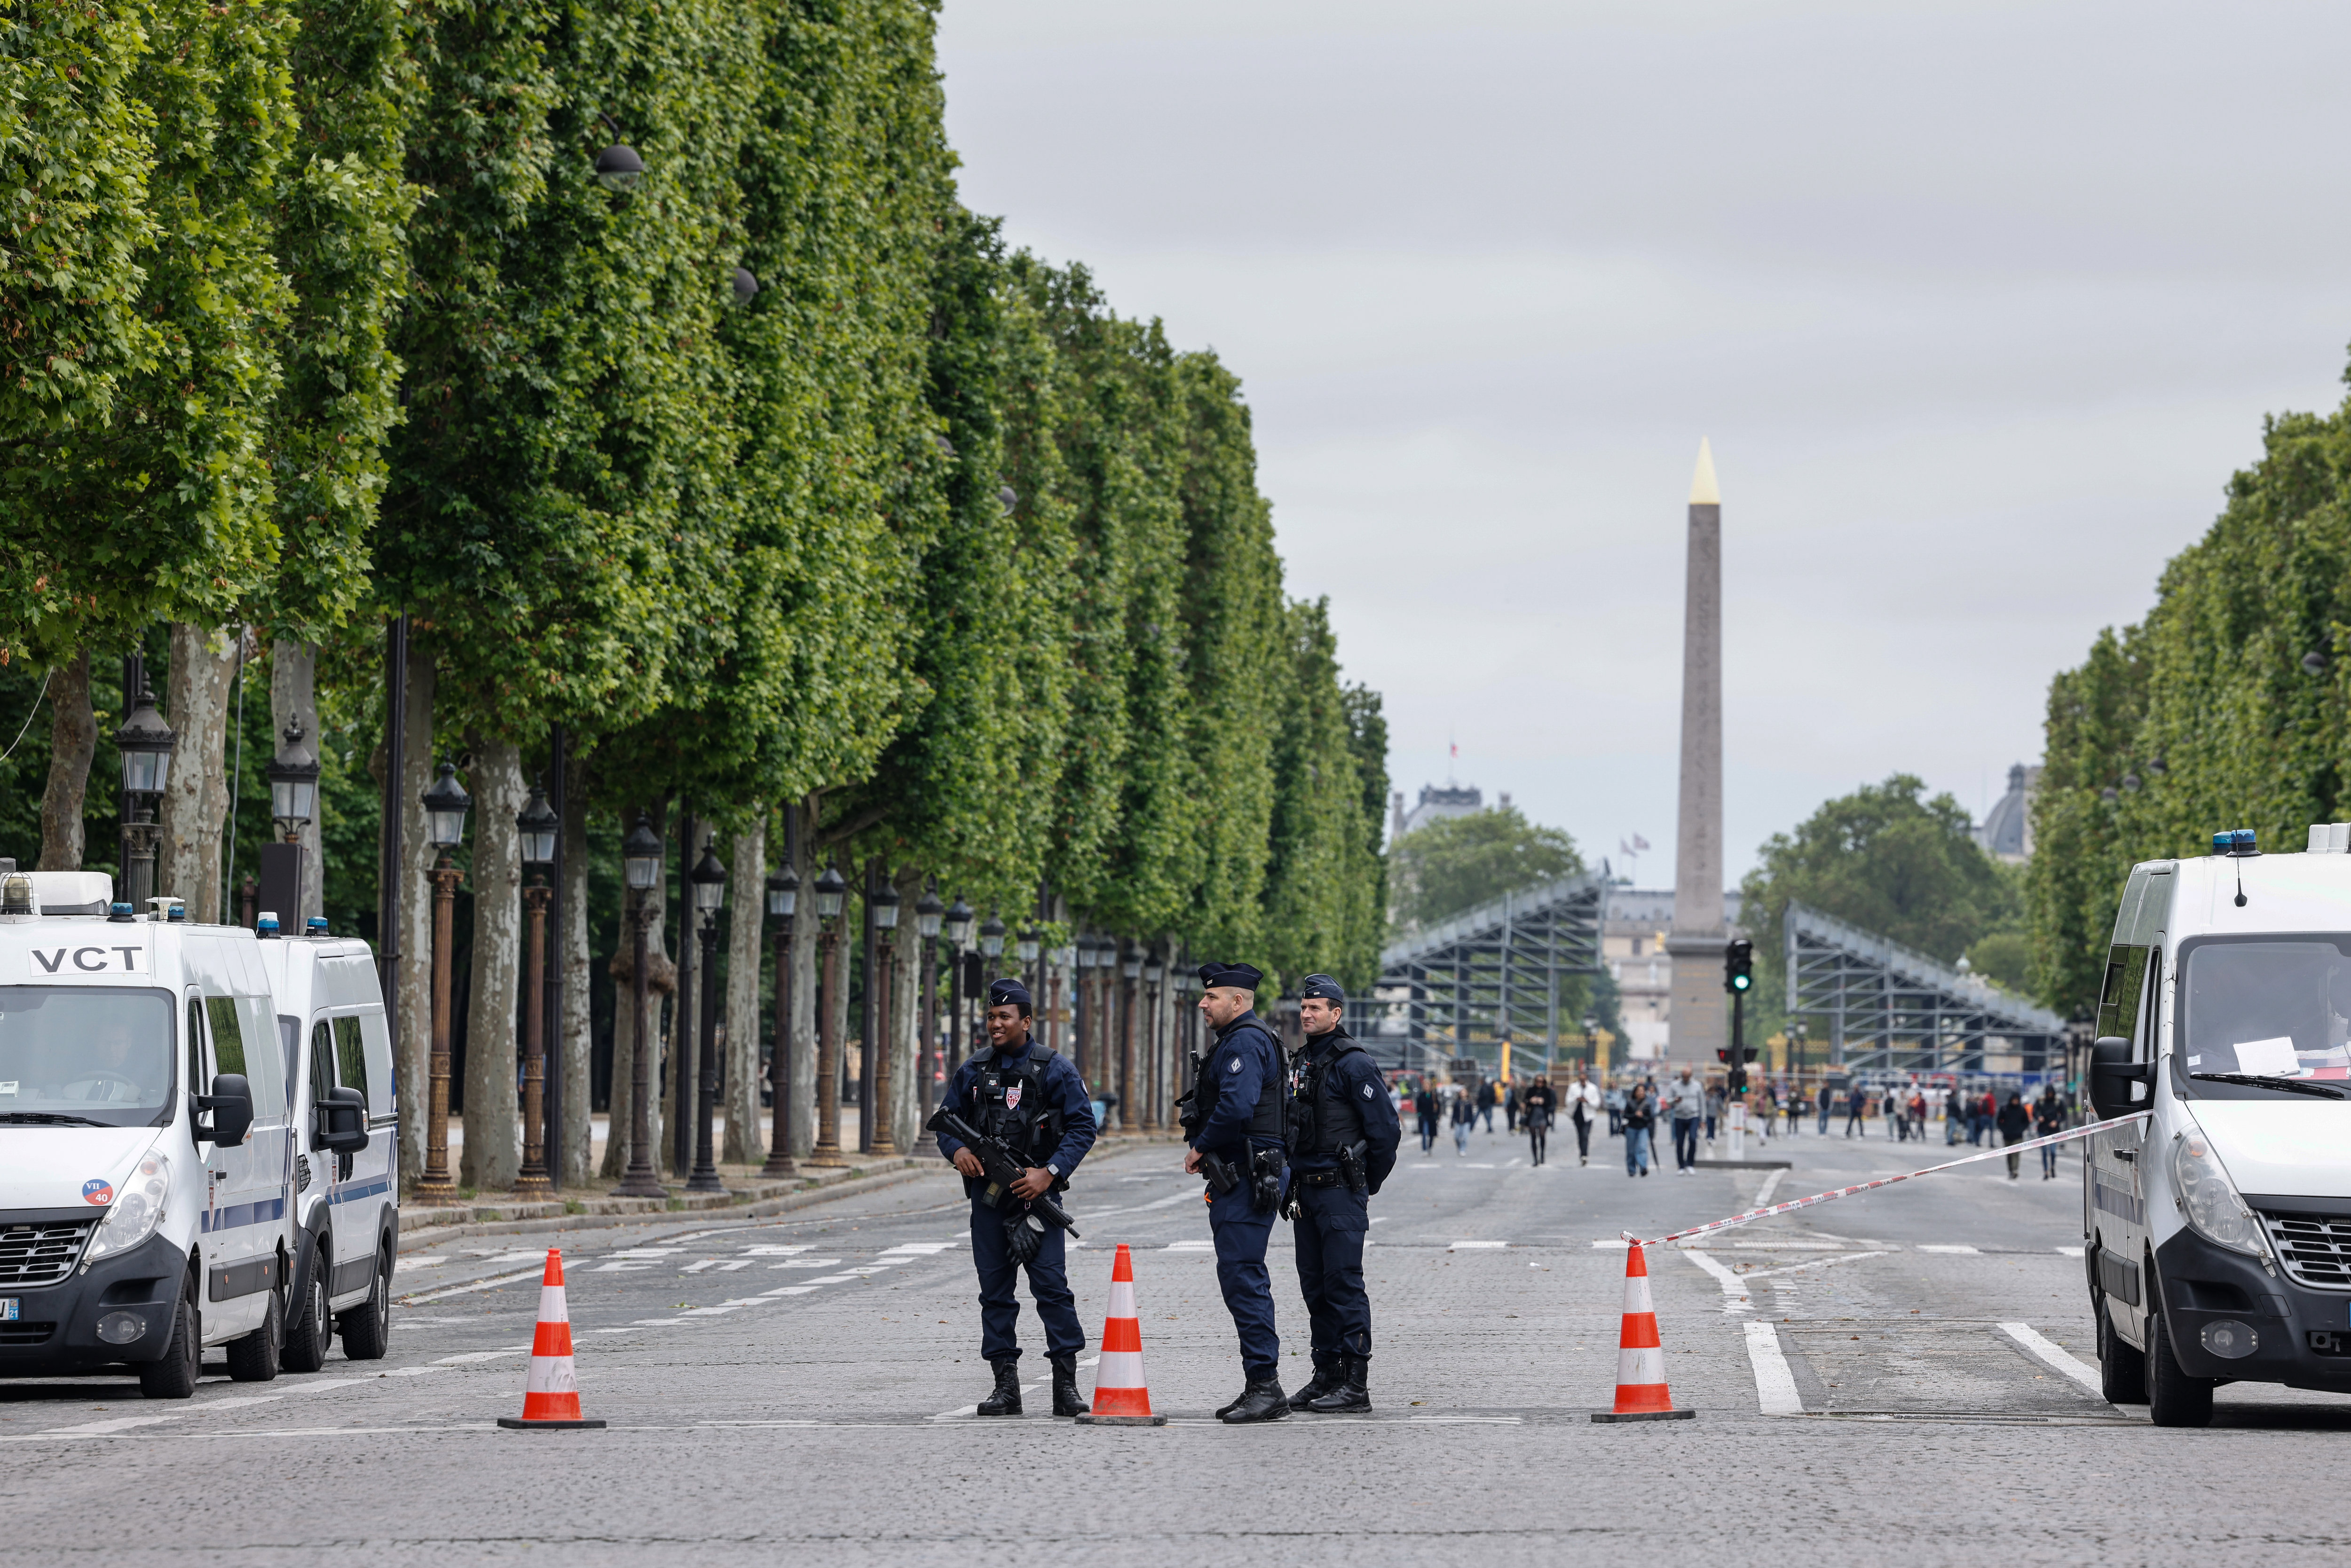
(257, 1356)
(2122, 1368)
(174, 1376)
(312, 1332)
(367, 1328)
(2175, 1399)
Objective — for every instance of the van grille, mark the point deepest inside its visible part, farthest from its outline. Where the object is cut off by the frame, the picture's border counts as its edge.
(41, 1254)
(2315, 1248)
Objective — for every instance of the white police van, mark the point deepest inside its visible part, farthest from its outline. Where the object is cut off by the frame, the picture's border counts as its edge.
(338, 1057)
(146, 1154)
(2217, 1228)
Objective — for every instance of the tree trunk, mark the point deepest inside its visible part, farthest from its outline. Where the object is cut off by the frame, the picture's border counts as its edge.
(906, 1019)
(577, 1042)
(73, 740)
(413, 900)
(195, 797)
(802, 958)
(293, 682)
(493, 1153)
(746, 916)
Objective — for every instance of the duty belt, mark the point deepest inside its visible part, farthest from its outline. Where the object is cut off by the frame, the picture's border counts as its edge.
(1320, 1178)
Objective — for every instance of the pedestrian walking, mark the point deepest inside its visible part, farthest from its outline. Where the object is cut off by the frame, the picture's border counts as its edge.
(1034, 1100)
(1856, 1104)
(1236, 1126)
(2014, 1121)
(1640, 1120)
(1490, 1098)
(1952, 1115)
(1342, 1138)
(1465, 1117)
(1541, 1104)
(1584, 1109)
(1714, 1107)
(2048, 1119)
(1686, 1098)
(1510, 1109)
(1823, 1107)
(1615, 1100)
(1425, 1110)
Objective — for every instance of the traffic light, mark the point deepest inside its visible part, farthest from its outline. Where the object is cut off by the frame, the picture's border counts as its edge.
(1723, 1053)
(1739, 965)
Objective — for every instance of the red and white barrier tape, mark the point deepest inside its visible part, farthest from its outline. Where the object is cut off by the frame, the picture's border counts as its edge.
(1793, 1203)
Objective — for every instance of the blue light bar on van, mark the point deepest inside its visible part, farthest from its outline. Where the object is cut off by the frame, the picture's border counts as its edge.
(2245, 841)
(2221, 841)
(2234, 841)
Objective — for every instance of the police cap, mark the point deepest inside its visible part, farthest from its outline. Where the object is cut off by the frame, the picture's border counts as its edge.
(1321, 985)
(1240, 977)
(1010, 993)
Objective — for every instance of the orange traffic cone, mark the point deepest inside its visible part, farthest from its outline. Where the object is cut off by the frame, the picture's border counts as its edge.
(550, 1394)
(1641, 1393)
(1120, 1397)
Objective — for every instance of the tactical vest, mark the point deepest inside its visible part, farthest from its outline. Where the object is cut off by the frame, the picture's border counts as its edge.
(1326, 1121)
(1208, 1085)
(1009, 1103)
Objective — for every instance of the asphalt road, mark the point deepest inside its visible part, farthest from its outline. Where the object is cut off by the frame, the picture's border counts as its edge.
(1904, 1375)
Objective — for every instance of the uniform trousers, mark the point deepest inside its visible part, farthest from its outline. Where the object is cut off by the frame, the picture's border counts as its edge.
(1241, 1234)
(1330, 1230)
(1049, 1282)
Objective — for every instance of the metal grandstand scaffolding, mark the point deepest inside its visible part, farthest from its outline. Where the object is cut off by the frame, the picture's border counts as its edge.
(1884, 1007)
(1463, 989)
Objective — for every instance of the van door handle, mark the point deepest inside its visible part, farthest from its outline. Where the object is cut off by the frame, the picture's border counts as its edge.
(2126, 1156)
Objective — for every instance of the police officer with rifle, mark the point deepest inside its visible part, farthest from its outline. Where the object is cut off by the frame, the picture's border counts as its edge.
(1343, 1133)
(1016, 1121)
(1232, 1118)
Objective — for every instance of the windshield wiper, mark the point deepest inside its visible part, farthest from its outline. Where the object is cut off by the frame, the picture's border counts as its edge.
(2260, 1080)
(51, 1118)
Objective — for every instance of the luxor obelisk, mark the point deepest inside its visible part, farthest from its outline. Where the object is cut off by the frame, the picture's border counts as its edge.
(1696, 1013)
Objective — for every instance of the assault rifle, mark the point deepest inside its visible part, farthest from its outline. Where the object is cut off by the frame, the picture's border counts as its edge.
(1001, 1168)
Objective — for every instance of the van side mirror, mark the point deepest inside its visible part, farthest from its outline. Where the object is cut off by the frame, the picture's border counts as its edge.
(2118, 1084)
(339, 1121)
(231, 1103)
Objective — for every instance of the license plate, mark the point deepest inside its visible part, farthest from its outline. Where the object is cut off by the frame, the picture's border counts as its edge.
(7, 1309)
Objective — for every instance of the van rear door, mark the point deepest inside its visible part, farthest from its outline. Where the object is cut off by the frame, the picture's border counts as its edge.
(366, 1182)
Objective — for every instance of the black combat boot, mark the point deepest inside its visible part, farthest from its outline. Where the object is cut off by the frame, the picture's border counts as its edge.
(1006, 1400)
(1326, 1377)
(1067, 1400)
(1262, 1400)
(1350, 1394)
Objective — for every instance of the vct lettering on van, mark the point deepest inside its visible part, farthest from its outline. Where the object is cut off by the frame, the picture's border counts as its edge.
(148, 1145)
(2218, 1226)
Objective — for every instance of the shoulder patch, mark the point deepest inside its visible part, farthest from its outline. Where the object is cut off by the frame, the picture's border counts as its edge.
(1234, 1065)
(1367, 1090)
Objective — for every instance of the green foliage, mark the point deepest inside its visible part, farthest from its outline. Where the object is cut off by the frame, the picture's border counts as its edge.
(1321, 884)
(2203, 716)
(1889, 860)
(1455, 864)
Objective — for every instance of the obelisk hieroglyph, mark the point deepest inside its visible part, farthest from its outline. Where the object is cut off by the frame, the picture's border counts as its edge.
(1697, 1025)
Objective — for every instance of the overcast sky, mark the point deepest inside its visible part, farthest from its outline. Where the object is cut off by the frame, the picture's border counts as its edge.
(1980, 305)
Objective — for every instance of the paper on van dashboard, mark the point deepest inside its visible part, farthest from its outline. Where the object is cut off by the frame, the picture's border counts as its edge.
(2268, 1058)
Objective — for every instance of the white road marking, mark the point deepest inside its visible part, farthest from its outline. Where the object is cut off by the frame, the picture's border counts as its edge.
(2055, 1356)
(1191, 1246)
(1459, 1246)
(2069, 1252)
(619, 1268)
(1775, 1385)
(706, 1312)
(1509, 1162)
(483, 1355)
(923, 1248)
(833, 1279)
(1734, 1288)
(490, 1283)
(1788, 1246)
(1969, 1251)
(790, 1290)
(809, 1263)
(1815, 1263)
(869, 1268)
(1771, 1184)
(778, 1251)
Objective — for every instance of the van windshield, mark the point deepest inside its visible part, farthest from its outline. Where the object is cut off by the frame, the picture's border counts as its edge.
(72, 1055)
(2273, 1008)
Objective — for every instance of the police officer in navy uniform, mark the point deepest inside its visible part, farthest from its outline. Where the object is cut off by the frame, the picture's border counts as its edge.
(1343, 1133)
(1033, 1099)
(1234, 1124)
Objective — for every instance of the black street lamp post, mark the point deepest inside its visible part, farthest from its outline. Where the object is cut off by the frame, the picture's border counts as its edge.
(783, 897)
(537, 825)
(445, 804)
(1154, 1104)
(1130, 965)
(145, 742)
(709, 883)
(642, 855)
(991, 945)
(831, 890)
(883, 902)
